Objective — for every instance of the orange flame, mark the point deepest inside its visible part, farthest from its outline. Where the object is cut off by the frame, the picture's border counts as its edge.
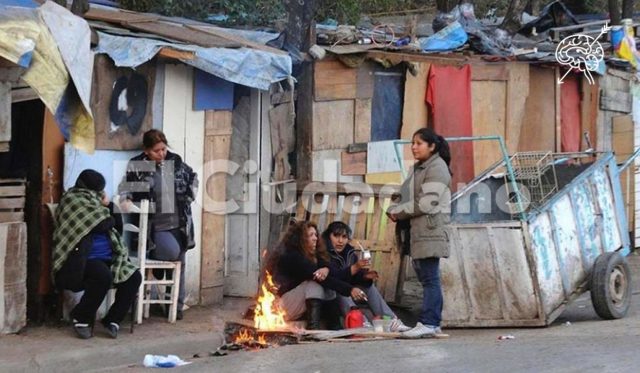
(267, 314)
(243, 337)
(262, 340)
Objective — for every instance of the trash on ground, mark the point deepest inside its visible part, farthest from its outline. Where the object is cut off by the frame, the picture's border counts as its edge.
(158, 361)
(508, 336)
(568, 323)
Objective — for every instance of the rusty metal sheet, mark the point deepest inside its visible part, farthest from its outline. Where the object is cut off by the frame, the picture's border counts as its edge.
(488, 278)
(481, 273)
(517, 286)
(457, 306)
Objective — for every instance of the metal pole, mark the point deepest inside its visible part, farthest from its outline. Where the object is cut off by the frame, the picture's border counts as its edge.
(505, 157)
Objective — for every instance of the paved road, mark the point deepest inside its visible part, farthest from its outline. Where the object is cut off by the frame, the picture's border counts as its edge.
(578, 341)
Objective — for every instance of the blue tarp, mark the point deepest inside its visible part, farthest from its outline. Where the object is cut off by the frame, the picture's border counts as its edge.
(449, 38)
(20, 3)
(249, 67)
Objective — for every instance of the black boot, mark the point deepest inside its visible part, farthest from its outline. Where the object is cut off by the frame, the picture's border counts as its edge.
(331, 312)
(314, 313)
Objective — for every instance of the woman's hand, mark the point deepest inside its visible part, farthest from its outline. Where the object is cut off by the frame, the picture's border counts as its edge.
(104, 199)
(321, 274)
(358, 294)
(392, 216)
(370, 275)
(361, 263)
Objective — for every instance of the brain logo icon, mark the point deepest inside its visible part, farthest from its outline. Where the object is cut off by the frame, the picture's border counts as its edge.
(581, 52)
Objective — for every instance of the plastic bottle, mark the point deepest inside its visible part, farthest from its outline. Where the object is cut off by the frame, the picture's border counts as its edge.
(354, 318)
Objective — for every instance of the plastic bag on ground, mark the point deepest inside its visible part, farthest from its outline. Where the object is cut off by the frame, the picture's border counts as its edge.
(159, 361)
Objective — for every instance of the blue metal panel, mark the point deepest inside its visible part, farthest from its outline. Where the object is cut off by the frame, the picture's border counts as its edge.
(582, 178)
(582, 201)
(610, 232)
(543, 249)
(560, 240)
(619, 204)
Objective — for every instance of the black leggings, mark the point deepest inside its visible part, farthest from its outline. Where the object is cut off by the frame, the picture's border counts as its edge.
(97, 282)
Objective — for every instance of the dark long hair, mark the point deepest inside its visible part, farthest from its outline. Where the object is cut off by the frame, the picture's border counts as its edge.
(442, 146)
(338, 228)
(295, 240)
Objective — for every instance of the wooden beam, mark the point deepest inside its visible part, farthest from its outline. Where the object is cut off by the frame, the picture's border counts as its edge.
(11, 74)
(396, 58)
(558, 94)
(23, 94)
(176, 54)
(5, 112)
(242, 41)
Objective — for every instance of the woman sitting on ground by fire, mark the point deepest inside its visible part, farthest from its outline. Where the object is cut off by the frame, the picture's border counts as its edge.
(300, 266)
(346, 265)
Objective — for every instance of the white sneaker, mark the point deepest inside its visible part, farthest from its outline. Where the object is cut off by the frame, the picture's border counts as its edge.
(420, 331)
(397, 325)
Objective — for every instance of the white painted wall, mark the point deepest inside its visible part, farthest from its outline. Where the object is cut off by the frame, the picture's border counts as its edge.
(184, 129)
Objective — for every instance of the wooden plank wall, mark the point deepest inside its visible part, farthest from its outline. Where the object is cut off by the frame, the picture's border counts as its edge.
(538, 128)
(12, 200)
(622, 137)
(218, 131)
(5, 114)
(415, 113)
(612, 85)
(13, 277)
(339, 114)
(365, 215)
(52, 173)
(499, 93)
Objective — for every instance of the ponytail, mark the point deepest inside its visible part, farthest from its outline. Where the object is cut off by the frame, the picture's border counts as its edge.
(442, 146)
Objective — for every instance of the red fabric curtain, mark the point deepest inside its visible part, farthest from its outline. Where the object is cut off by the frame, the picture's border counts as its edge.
(449, 98)
(570, 115)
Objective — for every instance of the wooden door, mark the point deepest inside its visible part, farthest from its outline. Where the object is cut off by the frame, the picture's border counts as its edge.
(242, 251)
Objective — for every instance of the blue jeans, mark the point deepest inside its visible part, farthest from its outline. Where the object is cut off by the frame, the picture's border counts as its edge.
(428, 271)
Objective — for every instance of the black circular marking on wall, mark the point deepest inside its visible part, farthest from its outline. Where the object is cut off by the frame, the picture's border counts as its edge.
(136, 86)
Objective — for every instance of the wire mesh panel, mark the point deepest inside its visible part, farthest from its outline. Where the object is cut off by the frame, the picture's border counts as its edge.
(535, 174)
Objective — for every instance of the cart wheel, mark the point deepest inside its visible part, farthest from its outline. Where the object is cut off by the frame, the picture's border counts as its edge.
(611, 286)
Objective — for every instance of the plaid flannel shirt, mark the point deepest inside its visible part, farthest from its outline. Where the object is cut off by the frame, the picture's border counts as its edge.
(79, 212)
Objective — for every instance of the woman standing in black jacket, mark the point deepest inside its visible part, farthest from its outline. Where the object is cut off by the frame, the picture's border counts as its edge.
(302, 273)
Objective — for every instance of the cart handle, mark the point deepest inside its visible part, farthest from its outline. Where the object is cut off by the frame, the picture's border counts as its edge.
(627, 163)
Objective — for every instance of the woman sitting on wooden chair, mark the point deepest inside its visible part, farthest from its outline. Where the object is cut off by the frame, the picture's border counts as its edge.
(89, 255)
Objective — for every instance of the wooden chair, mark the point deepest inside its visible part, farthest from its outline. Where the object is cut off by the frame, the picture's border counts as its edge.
(148, 265)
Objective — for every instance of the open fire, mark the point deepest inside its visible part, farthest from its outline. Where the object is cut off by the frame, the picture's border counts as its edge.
(268, 316)
(268, 320)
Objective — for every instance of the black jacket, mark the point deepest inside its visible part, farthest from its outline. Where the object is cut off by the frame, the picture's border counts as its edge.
(341, 265)
(293, 268)
(141, 169)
